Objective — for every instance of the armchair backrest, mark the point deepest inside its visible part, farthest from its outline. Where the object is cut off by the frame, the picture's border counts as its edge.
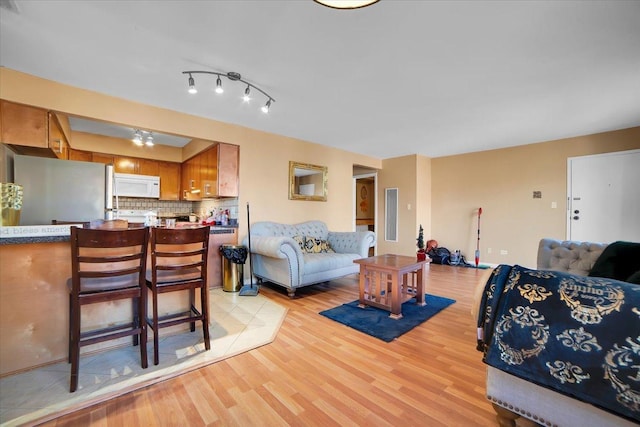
(568, 255)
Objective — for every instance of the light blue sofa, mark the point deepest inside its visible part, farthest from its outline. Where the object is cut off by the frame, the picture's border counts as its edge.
(276, 257)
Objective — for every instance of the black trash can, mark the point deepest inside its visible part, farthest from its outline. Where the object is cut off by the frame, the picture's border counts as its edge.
(233, 258)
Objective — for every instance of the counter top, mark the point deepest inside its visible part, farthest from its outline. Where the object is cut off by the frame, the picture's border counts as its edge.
(60, 233)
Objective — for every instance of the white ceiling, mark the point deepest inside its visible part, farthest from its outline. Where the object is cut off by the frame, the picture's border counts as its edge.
(396, 78)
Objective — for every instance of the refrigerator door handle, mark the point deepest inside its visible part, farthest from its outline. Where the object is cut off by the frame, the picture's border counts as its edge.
(108, 194)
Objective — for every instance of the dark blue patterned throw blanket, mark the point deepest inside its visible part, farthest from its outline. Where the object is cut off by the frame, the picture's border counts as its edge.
(577, 335)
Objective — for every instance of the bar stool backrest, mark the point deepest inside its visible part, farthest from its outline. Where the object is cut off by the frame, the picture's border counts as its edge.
(176, 254)
(108, 259)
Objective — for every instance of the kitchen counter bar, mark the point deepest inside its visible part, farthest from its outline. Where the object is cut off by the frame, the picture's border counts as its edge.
(60, 233)
(34, 299)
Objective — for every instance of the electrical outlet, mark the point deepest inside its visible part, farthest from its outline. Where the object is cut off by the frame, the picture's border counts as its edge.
(554, 205)
(503, 252)
(488, 250)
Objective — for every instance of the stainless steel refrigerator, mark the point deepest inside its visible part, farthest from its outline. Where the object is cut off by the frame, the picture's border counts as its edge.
(63, 190)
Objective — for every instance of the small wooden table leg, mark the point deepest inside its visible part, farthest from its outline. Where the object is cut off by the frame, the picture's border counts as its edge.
(420, 286)
(396, 296)
(363, 276)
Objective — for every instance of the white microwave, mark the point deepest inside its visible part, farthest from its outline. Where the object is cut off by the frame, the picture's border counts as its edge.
(131, 185)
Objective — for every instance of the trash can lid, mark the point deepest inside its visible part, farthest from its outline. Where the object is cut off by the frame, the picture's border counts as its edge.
(235, 253)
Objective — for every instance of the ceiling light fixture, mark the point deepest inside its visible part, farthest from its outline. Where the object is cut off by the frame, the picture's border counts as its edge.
(234, 77)
(137, 137)
(246, 97)
(265, 108)
(346, 4)
(192, 85)
(142, 137)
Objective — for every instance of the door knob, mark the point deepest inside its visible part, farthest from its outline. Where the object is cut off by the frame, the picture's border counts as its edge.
(576, 217)
(576, 211)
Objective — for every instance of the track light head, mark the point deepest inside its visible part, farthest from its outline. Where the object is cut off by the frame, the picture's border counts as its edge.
(246, 97)
(219, 86)
(137, 137)
(265, 108)
(149, 141)
(192, 85)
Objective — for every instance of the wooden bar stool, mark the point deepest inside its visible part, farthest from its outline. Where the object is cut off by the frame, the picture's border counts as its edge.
(107, 265)
(179, 262)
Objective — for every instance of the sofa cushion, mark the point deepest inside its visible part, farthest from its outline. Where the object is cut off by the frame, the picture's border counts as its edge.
(618, 261)
(317, 263)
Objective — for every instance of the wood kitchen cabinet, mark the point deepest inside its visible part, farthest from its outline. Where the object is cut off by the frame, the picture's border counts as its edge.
(135, 165)
(191, 181)
(32, 131)
(212, 173)
(228, 170)
(169, 173)
(23, 125)
(79, 155)
(107, 159)
(57, 140)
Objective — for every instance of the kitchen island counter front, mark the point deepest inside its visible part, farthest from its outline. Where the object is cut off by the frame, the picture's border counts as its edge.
(34, 298)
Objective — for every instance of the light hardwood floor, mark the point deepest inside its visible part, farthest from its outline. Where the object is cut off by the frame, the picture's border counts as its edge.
(320, 373)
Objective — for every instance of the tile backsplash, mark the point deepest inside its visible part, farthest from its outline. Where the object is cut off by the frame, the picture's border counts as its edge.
(201, 208)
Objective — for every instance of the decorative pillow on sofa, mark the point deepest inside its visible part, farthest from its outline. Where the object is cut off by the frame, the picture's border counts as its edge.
(300, 240)
(315, 246)
(618, 261)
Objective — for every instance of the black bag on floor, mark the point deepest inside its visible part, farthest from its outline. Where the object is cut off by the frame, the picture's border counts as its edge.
(439, 255)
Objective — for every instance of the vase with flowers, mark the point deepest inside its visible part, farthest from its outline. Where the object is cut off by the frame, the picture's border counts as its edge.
(421, 254)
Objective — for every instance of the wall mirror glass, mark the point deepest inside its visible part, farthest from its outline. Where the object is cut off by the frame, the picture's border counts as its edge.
(307, 182)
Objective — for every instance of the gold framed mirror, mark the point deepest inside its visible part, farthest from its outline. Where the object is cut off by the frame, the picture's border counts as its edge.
(307, 182)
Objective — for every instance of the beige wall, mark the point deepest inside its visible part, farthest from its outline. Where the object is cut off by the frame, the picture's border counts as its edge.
(412, 176)
(502, 183)
(264, 157)
(444, 193)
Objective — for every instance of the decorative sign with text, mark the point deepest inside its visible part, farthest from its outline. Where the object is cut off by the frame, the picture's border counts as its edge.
(35, 231)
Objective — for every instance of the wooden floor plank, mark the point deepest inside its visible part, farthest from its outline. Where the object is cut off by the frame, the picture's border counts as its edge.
(318, 372)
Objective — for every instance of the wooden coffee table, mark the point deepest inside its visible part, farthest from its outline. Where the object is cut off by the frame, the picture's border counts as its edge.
(386, 281)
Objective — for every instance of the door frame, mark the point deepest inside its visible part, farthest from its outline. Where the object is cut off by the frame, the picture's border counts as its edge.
(354, 197)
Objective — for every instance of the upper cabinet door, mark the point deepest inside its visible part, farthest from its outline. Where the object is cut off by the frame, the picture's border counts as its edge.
(24, 125)
(169, 173)
(228, 170)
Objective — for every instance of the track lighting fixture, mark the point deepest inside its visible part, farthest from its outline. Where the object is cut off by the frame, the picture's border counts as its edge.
(234, 77)
(142, 137)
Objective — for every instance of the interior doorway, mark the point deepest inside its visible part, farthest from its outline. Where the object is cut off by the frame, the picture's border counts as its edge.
(604, 197)
(365, 208)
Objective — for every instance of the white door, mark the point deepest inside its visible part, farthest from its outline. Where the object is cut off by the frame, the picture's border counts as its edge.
(604, 197)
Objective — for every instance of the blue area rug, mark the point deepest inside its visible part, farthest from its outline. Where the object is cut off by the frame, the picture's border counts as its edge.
(377, 323)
